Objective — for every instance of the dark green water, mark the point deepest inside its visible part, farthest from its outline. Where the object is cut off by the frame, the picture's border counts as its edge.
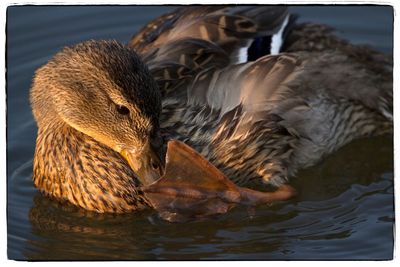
(345, 209)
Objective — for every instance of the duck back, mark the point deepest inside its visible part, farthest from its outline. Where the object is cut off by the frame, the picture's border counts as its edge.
(263, 120)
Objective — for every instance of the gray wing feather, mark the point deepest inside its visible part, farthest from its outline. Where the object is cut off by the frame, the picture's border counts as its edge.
(302, 88)
(257, 86)
(230, 27)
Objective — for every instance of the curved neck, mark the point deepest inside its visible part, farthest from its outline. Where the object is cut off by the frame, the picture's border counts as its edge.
(72, 166)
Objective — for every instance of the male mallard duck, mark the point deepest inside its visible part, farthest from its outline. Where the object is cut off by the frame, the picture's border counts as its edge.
(105, 111)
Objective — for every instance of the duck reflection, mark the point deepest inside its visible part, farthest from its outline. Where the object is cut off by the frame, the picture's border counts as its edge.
(68, 232)
(333, 191)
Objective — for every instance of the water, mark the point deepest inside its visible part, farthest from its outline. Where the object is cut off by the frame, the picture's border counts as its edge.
(344, 211)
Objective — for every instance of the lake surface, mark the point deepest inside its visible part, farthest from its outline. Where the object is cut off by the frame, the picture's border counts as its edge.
(346, 205)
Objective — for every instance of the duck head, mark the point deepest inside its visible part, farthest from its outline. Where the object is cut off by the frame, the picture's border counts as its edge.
(103, 90)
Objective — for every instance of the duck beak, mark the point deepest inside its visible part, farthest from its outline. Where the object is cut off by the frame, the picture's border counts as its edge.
(147, 164)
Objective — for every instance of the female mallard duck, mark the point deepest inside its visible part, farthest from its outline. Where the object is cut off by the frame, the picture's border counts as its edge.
(105, 111)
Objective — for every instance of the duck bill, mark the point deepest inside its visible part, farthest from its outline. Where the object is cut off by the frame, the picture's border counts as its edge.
(147, 164)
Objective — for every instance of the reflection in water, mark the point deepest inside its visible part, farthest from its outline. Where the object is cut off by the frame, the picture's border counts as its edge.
(79, 234)
(345, 206)
(334, 202)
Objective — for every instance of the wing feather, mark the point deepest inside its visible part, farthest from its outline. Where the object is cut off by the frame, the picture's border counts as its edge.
(229, 27)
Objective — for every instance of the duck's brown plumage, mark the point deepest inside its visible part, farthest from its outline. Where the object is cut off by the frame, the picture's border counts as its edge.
(264, 120)
(75, 99)
(256, 121)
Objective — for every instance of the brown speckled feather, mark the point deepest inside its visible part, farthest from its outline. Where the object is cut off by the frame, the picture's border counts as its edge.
(69, 165)
(258, 121)
(264, 120)
(230, 27)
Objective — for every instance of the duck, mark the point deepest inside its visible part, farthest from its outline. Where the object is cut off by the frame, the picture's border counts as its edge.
(257, 94)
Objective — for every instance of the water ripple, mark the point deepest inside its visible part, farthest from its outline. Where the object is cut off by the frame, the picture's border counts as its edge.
(344, 210)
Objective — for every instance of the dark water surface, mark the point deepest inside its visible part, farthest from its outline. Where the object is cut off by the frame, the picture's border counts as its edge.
(344, 211)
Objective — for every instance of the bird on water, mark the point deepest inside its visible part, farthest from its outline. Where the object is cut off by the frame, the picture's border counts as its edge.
(255, 93)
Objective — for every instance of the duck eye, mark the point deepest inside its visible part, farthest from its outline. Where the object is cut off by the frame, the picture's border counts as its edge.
(122, 110)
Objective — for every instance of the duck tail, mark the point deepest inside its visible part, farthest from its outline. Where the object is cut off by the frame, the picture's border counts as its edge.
(379, 66)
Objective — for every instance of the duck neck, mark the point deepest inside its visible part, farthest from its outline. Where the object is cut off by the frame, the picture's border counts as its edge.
(72, 166)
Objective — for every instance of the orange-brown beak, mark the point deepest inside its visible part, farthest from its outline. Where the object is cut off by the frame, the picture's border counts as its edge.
(147, 164)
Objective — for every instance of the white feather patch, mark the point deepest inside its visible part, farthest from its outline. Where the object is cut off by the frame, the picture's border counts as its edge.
(276, 40)
(242, 57)
(276, 44)
(242, 53)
